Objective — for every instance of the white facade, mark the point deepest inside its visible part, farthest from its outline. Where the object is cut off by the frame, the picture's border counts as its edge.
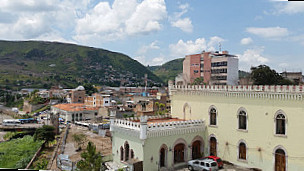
(155, 143)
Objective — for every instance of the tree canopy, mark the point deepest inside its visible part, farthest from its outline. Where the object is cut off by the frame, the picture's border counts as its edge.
(198, 81)
(264, 75)
(46, 133)
(91, 160)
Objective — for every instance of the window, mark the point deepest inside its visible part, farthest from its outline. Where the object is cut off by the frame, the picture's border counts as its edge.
(195, 71)
(212, 116)
(132, 154)
(121, 153)
(106, 101)
(242, 151)
(280, 124)
(242, 120)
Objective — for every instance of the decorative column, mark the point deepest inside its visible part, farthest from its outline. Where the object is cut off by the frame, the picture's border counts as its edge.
(143, 127)
(112, 117)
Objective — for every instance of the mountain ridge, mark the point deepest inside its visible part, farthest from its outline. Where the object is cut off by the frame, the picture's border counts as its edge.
(41, 64)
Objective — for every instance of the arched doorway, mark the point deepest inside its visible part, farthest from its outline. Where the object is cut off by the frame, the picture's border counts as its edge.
(196, 149)
(73, 117)
(80, 117)
(162, 157)
(280, 160)
(76, 116)
(212, 148)
(179, 153)
(121, 154)
(127, 150)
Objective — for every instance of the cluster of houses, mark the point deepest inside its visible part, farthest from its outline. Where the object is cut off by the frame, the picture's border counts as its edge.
(125, 101)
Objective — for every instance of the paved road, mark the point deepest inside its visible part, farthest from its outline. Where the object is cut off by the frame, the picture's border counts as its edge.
(226, 168)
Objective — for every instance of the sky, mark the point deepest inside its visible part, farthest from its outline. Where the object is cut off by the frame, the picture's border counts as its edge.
(153, 32)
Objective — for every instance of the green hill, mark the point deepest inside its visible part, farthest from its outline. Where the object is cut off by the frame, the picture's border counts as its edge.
(169, 70)
(43, 64)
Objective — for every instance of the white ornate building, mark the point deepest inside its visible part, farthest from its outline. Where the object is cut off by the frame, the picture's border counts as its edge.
(160, 142)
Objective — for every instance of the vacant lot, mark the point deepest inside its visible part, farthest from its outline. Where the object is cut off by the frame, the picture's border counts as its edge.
(103, 145)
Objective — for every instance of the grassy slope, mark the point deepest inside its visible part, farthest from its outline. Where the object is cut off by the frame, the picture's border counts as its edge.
(169, 70)
(30, 61)
(18, 151)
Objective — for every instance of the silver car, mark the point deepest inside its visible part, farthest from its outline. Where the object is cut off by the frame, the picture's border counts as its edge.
(202, 165)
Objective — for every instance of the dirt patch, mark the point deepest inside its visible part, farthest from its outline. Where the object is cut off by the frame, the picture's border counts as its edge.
(103, 145)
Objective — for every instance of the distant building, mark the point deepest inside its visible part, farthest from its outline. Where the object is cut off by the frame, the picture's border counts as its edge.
(216, 68)
(98, 100)
(295, 77)
(78, 95)
(75, 112)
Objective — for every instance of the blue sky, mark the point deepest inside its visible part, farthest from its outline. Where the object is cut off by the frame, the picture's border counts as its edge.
(156, 31)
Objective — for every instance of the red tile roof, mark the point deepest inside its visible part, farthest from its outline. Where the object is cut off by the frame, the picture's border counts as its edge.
(74, 107)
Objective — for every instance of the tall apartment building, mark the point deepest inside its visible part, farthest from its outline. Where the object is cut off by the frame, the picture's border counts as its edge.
(217, 68)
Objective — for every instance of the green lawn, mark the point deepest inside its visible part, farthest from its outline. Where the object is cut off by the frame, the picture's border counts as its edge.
(17, 153)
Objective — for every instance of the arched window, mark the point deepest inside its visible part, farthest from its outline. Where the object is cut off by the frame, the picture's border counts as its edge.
(242, 115)
(127, 151)
(121, 153)
(179, 153)
(212, 116)
(132, 154)
(242, 151)
(280, 124)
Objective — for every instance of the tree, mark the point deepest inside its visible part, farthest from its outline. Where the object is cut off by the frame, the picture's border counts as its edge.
(91, 160)
(79, 139)
(198, 81)
(46, 133)
(160, 108)
(264, 75)
(90, 89)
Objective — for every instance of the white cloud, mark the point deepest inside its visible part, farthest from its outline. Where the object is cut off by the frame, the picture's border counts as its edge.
(33, 19)
(214, 43)
(181, 48)
(268, 32)
(145, 48)
(123, 18)
(158, 61)
(246, 41)
(185, 24)
(252, 57)
(292, 7)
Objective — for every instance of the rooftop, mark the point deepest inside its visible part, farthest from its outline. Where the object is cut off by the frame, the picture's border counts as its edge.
(161, 120)
(74, 107)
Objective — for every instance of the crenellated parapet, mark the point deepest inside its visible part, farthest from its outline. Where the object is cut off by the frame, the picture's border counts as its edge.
(144, 127)
(283, 92)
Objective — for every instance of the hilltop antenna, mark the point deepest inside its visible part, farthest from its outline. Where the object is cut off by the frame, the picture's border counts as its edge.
(146, 82)
(220, 47)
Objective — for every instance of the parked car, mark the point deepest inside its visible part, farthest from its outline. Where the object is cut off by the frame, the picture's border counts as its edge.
(202, 165)
(216, 159)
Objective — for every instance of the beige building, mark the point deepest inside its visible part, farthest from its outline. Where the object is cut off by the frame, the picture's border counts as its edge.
(251, 126)
(75, 112)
